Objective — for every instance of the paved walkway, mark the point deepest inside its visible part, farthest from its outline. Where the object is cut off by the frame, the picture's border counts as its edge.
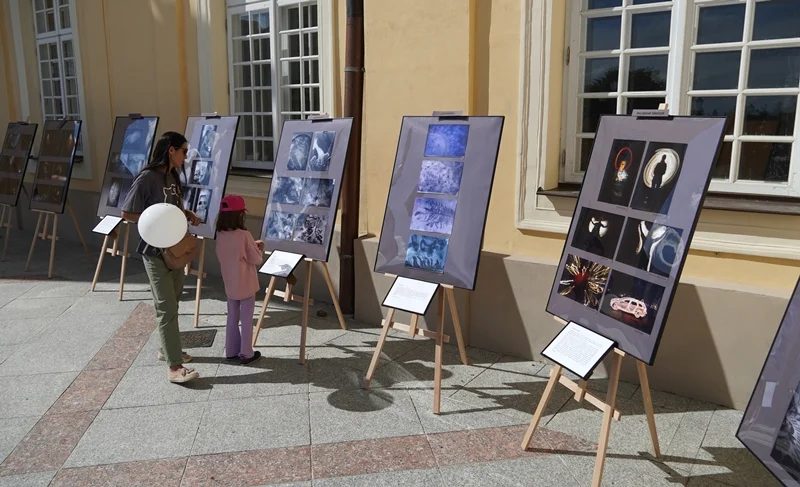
(83, 401)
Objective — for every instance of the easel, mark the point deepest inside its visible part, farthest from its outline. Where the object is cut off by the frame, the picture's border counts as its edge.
(200, 276)
(288, 296)
(607, 407)
(445, 293)
(53, 236)
(114, 251)
(5, 222)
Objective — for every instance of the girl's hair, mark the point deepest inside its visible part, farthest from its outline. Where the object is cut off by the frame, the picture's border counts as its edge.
(230, 220)
(161, 156)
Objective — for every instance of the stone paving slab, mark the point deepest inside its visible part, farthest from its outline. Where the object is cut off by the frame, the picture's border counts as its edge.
(33, 394)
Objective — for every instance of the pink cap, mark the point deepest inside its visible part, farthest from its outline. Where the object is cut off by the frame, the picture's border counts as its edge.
(232, 202)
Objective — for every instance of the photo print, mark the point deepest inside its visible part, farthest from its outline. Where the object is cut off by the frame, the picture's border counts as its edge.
(208, 137)
(583, 281)
(287, 191)
(433, 215)
(201, 172)
(310, 228)
(189, 196)
(317, 192)
(658, 178)
(115, 192)
(598, 232)
(201, 206)
(651, 247)
(298, 152)
(41, 193)
(786, 450)
(16, 140)
(621, 172)
(427, 253)
(133, 163)
(446, 140)
(321, 149)
(632, 301)
(44, 171)
(116, 166)
(8, 186)
(59, 172)
(8, 164)
(280, 225)
(57, 143)
(440, 177)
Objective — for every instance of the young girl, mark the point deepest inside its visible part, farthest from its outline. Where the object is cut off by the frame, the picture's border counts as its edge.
(239, 255)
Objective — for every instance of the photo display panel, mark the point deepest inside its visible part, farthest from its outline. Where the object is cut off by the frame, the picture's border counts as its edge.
(636, 213)
(205, 171)
(14, 155)
(305, 188)
(770, 427)
(54, 168)
(131, 146)
(438, 199)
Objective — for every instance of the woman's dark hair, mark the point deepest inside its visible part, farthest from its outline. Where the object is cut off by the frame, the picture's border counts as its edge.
(230, 220)
(161, 156)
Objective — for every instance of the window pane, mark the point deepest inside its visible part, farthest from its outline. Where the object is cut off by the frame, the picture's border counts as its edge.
(593, 4)
(765, 161)
(72, 87)
(41, 24)
(44, 52)
(311, 71)
(241, 50)
(292, 100)
(290, 72)
(48, 3)
(776, 19)
(290, 45)
(45, 70)
(53, 50)
(47, 88)
(292, 18)
(269, 150)
(263, 101)
(312, 99)
(48, 106)
(64, 17)
(602, 33)
(593, 108)
(56, 87)
(243, 101)
(601, 75)
(39, 4)
(248, 150)
(310, 16)
(263, 74)
(247, 126)
(716, 106)
(648, 73)
(260, 23)
(769, 115)
(51, 21)
(720, 24)
(69, 68)
(650, 30)
(73, 106)
(54, 69)
(642, 2)
(58, 106)
(241, 76)
(263, 125)
(240, 25)
(585, 152)
(722, 167)
(650, 103)
(716, 70)
(261, 50)
(66, 49)
(311, 44)
(774, 68)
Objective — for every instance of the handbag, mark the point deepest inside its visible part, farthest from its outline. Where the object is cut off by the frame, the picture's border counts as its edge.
(183, 252)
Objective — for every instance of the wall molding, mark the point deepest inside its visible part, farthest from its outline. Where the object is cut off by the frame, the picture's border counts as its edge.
(205, 61)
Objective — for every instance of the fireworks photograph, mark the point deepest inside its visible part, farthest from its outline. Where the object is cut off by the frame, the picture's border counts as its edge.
(583, 281)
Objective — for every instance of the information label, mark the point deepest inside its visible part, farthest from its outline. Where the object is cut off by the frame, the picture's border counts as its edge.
(107, 225)
(280, 263)
(578, 349)
(410, 295)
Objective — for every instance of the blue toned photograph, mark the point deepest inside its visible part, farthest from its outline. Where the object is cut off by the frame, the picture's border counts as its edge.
(433, 215)
(287, 191)
(298, 152)
(317, 192)
(310, 228)
(447, 140)
(208, 137)
(280, 225)
(321, 149)
(427, 253)
(441, 177)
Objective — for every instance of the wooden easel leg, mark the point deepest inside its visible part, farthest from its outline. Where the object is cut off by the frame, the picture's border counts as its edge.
(53, 237)
(555, 374)
(8, 231)
(412, 326)
(648, 405)
(437, 371)
(200, 266)
(608, 416)
(33, 243)
(334, 297)
(387, 323)
(100, 262)
(451, 298)
(270, 291)
(124, 259)
(304, 323)
(78, 230)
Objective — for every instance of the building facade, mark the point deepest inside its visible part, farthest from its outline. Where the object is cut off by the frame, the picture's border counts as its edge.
(551, 67)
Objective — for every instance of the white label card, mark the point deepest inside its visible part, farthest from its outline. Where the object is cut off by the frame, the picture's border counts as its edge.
(280, 263)
(107, 225)
(410, 295)
(578, 349)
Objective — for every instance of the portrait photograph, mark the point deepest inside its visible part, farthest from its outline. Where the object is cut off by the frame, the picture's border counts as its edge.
(310, 228)
(287, 191)
(433, 215)
(201, 206)
(426, 252)
(201, 172)
(651, 247)
(208, 137)
(621, 171)
(298, 152)
(598, 232)
(321, 148)
(317, 192)
(786, 450)
(446, 140)
(632, 301)
(583, 281)
(658, 177)
(280, 225)
(440, 177)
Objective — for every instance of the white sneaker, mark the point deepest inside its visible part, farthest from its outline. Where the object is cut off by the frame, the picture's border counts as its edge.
(185, 356)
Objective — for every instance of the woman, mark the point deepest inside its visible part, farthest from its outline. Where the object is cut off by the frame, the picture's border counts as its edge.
(159, 182)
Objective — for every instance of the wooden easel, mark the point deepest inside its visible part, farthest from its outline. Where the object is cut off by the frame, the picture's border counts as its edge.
(288, 296)
(114, 251)
(5, 222)
(47, 215)
(445, 294)
(607, 406)
(200, 276)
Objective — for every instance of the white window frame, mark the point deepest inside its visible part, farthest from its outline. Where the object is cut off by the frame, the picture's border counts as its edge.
(678, 93)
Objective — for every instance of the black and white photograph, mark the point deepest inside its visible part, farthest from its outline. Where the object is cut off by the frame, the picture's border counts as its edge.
(287, 191)
(786, 450)
(57, 143)
(44, 171)
(201, 172)
(427, 253)
(319, 158)
(632, 301)
(298, 152)
(41, 193)
(8, 165)
(59, 172)
(621, 171)
(317, 192)
(115, 165)
(598, 232)
(280, 225)
(433, 215)
(440, 177)
(651, 247)
(16, 140)
(583, 281)
(189, 197)
(115, 192)
(310, 228)
(208, 137)
(658, 177)
(201, 206)
(133, 162)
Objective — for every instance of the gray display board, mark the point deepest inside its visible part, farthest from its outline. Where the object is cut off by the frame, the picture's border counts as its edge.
(305, 188)
(438, 199)
(636, 214)
(14, 155)
(131, 145)
(205, 171)
(770, 428)
(54, 168)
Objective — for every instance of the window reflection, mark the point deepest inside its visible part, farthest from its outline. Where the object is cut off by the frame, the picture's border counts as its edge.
(716, 106)
(724, 23)
(603, 33)
(601, 75)
(650, 30)
(716, 70)
(777, 19)
(769, 115)
(774, 68)
(765, 161)
(648, 73)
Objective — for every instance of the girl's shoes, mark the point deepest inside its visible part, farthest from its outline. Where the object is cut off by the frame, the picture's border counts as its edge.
(256, 356)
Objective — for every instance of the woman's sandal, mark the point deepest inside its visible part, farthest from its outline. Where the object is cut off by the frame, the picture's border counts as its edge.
(182, 375)
(256, 356)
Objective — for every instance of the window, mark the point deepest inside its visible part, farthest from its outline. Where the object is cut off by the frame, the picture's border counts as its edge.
(273, 48)
(734, 58)
(58, 68)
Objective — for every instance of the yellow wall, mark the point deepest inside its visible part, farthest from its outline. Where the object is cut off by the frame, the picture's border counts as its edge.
(8, 94)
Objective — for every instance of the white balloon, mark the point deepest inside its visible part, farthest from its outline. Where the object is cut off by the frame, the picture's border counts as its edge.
(162, 225)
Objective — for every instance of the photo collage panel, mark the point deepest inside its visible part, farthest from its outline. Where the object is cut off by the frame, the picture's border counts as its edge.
(128, 158)
(11, 175)
(435, 205)
(14, 152)
(197, 172)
